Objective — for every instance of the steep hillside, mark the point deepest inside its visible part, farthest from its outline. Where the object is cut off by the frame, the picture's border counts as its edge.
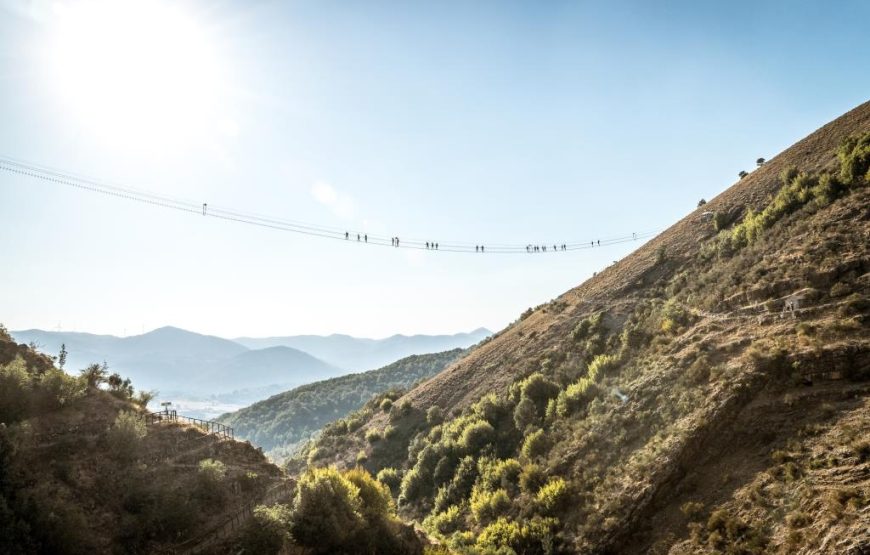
(82, 471)
(279, 423)
(356, 354)
(708, 393)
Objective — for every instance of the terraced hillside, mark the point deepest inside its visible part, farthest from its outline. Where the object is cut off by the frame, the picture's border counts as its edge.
(708, 393)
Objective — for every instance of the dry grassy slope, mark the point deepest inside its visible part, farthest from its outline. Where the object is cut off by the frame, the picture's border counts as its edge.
(494, 365)
(637, 463)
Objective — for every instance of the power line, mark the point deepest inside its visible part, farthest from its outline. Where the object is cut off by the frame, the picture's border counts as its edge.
(52, 175)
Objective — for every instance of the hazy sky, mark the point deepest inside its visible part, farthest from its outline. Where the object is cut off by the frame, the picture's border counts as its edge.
(475, 121)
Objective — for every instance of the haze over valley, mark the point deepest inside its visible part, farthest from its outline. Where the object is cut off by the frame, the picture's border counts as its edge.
(205, 376)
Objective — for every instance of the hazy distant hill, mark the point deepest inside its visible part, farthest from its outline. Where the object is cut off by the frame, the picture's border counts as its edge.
(356, 354)
(279, 422)
(271, 365)
(182, 363)
(175, 359)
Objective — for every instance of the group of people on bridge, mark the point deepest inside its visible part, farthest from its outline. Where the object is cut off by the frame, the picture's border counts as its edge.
(543, 248)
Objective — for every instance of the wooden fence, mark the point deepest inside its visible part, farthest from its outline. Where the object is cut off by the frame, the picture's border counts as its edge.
(208, 426)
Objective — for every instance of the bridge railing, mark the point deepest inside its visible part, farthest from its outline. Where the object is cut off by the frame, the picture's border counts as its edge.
(208, 426)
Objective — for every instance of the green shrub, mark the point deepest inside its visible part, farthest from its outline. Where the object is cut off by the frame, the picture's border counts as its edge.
(526, 414)
(535, 445)
(414, 485)
(538, 389)
(553, 496)
(576, 396)
(373, 436)
(487, 506)
(507, 536)
(532, 478)
(267, 531)
(391, 478)
(126, 434)
(434, 415)
(601, 365)
(854, 155)
(386, 404)
(445, 522)
(212, 470)
(376, 501)
(494, 474)
(477, 435)
(692, 510)
(326, 510)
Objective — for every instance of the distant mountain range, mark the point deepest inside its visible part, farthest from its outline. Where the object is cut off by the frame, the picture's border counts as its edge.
(174, 360)
(355, 354)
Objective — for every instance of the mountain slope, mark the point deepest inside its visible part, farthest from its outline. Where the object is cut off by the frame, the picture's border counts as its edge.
(708, 393)
(279, 423)
(81, 472)
(273, 365)
(356, 354)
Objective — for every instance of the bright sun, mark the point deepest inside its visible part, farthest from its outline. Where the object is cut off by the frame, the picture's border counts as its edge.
(138, 72)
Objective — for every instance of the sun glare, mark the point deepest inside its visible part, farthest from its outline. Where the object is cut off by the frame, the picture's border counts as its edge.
(136, 71)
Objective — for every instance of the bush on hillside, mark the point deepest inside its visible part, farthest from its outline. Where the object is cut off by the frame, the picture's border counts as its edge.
(126, 434)
(29, 391)
(536, 444)
(267, 531)
(507, 536)
(476, 436)
(532, 478)
(487, 506)
(553, 496)
(326, 510)
(391, 478)
(854, 155)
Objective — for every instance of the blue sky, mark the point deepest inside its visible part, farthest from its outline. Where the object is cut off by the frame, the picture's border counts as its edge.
(484, 122)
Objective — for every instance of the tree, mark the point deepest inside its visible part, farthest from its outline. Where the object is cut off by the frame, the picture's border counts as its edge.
(701, 203)
(61, 358)
(760, 162)
(122, 387)
(326, 510)
(742, 174)
(95, 375)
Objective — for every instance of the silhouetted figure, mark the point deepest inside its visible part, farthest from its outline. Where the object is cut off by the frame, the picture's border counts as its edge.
(476, 248)
(427, 244)
(346, 235)
(554, 247)
(481, 248)
(357, 236)
(397, 241)
(367, 237)
(599, 242)
(591, 243)
(392, 241)
(436, 246)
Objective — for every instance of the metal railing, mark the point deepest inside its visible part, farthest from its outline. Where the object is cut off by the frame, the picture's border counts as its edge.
(208, 426)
